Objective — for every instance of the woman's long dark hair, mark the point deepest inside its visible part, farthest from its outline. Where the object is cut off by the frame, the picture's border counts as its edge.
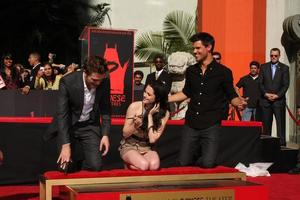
(161, 97)
(14, 71)
(52, 77)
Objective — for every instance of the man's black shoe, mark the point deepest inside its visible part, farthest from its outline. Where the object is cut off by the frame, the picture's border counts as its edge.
(295, 170)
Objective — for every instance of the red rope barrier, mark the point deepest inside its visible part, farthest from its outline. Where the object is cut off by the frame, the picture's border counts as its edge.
(292, 116)
(177, 111)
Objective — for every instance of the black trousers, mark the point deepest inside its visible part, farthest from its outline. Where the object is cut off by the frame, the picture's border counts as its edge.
(279, 112)
(85, 147)
(199, 147)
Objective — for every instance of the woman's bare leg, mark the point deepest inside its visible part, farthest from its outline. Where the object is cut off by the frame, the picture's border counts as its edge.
(135, 160)
(153, 159)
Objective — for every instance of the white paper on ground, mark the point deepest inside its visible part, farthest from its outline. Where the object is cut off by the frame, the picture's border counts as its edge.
(254, 169)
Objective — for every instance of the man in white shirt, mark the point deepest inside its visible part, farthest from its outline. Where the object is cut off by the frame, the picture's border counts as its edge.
(84, 98)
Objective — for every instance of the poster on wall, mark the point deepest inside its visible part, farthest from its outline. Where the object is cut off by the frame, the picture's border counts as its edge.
(116, 46)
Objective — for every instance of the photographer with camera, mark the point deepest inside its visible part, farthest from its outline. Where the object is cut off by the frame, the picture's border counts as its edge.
(58, 68)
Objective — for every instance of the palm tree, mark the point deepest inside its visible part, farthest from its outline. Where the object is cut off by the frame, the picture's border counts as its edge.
(101, 10)
(178, 27)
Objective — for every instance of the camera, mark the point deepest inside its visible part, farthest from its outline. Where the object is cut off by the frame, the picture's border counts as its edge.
(51, 55)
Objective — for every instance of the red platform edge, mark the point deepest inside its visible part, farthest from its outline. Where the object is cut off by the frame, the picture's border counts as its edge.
(119, 121)
(127, 172)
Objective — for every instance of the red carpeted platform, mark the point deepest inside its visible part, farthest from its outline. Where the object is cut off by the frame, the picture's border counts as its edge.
(127, 172)
(210, 186)
(280, 187)
(121, 176)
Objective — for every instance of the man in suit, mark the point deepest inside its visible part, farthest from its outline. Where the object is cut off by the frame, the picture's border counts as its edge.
(34, 60)
(274, 82)
(160, 73)
(84, 97)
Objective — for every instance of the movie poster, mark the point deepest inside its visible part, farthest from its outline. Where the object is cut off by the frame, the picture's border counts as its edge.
(116, 46)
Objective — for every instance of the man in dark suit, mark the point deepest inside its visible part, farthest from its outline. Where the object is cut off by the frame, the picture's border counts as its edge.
(84, 97)
(274, 82)
(34, 60)
(160, 73)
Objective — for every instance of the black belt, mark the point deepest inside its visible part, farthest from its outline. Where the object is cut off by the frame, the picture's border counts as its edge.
(83, 123)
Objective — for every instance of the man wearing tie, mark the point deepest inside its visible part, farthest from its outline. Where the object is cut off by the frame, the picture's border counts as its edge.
(274, 83)
(160, 73)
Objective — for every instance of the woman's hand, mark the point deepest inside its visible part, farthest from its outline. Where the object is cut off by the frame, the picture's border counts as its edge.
(155, 109)
(137, 121)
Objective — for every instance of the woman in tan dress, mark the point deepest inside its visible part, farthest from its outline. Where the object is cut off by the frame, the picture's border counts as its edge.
(144, 124)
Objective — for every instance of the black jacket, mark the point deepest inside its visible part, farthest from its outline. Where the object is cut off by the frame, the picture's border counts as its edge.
(163, 77)
(70, 103)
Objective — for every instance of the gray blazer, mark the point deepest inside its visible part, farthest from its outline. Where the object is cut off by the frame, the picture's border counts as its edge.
(70, 103)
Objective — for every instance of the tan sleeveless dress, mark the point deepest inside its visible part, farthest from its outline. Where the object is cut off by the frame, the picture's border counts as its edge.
(137, 142)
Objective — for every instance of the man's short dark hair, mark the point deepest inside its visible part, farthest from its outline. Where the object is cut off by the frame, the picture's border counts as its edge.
(95, 64)
(205, 38)
(138, 72)
(254, 63)
(275, 49)
(36, 54)
(160, 56)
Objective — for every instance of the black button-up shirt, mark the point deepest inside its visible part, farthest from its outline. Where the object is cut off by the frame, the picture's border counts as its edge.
(207, 93)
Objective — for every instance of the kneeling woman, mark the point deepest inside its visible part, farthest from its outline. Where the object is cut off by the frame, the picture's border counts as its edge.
(144, 124)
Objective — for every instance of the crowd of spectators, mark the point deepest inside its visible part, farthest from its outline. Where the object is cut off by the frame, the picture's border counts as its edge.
(35, 75)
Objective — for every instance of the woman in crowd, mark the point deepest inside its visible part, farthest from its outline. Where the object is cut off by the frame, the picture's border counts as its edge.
(24, 75)
(48, 81)
(144, 124)
(9, 73)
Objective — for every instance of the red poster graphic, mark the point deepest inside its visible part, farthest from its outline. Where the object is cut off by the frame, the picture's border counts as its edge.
(116, 70)
(116, 46)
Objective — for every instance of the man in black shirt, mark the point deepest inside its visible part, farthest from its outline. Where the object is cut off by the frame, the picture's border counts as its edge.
(207, 82)
(251, 90)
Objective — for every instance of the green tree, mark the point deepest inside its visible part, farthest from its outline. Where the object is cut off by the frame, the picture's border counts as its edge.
(178, 27)
(101, 11)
